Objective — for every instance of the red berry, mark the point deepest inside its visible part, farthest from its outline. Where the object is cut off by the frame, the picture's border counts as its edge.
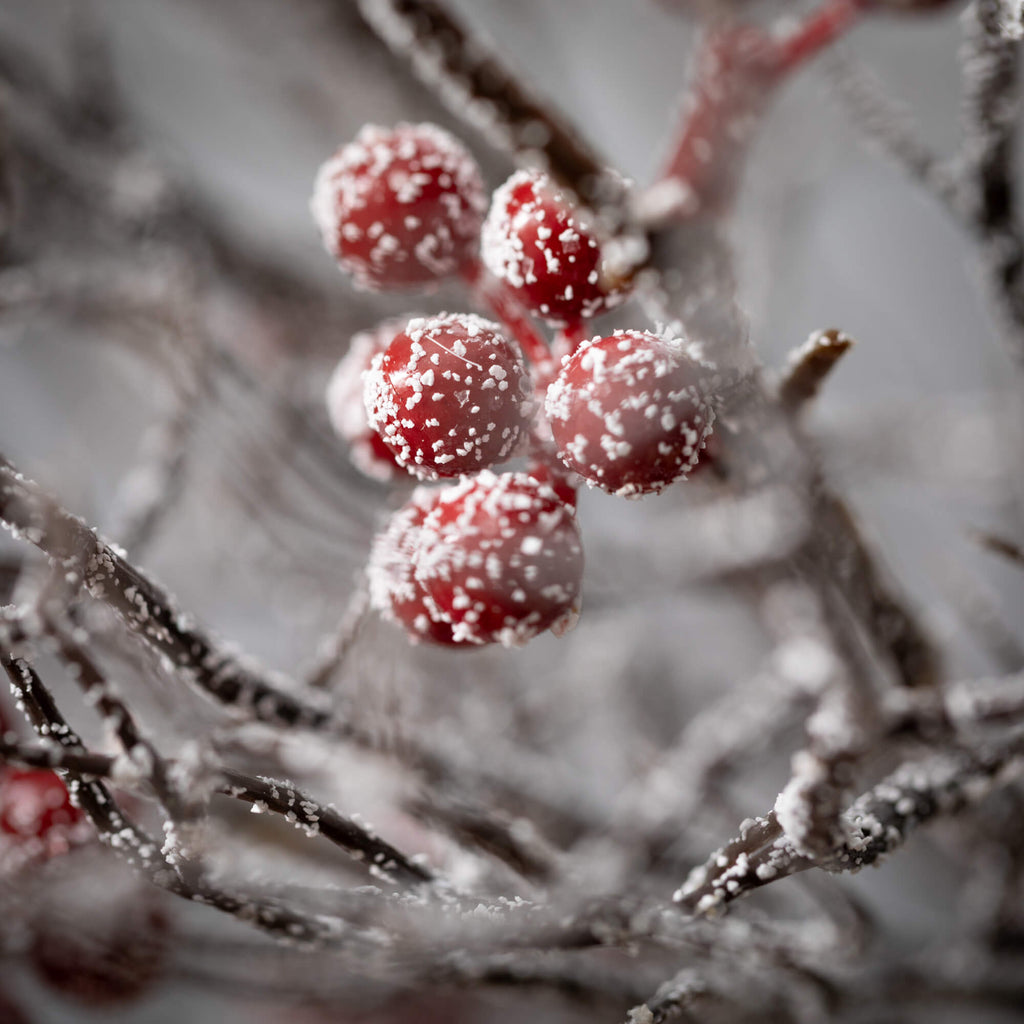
(101, 935)
(401, 206)
(35, 803)
(500, 559)
(450, 395)
(345, 402)
(629, 412)
(394, 590)
(545, 251)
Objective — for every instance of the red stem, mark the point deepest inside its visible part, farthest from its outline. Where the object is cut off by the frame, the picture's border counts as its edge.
(498, 298)
(820, 29)
(736, 71)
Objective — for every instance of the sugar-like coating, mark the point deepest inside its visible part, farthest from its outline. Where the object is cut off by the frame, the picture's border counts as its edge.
(345, 407)
(536, 242)
(450, 395)
(501, 560)
(394, 590)
(630, 412)
(400, 207)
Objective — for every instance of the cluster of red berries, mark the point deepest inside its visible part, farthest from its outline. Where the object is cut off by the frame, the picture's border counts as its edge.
(494, 558)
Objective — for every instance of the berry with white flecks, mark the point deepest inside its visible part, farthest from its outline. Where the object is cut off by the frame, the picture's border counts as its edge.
(400, 207)
(394, 590)
(630, 412)
(345, 402)
(450, 395)
(536, 242)
(500, 559)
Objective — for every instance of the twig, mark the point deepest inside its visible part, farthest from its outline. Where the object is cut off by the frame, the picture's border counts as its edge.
(145, 608)
(337, 645)
(382, 859)
(876, 824)
(513, 843)
(809, 365)
(1000, 545)
(477, 87)
(991, 70)
(888, 125)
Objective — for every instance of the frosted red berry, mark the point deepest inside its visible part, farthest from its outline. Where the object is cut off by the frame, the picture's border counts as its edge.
(345, 406)
(35, 803)
(394, 590)
(500, 559)
(630, 412)
(400, 207)
(535, 241)
(450, 395)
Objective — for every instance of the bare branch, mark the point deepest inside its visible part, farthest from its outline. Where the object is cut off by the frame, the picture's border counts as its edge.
(1009, 550)
(809, 365)
(475, 85)
(144, 607)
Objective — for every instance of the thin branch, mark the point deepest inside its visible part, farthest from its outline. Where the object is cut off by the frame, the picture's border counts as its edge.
(809, 365)
(469, 78)
(145, 608)
(1000, 545)
(57, 758)
(336, 647)
(382, 859)
(876, 824)
(888, 125)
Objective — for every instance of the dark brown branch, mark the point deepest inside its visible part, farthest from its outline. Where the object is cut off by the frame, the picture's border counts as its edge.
(57, 758)
(145, 608)
(991, 73)
(380, 857)
(1000, 545)
(878, 823)
(470, 79)
(809, 365)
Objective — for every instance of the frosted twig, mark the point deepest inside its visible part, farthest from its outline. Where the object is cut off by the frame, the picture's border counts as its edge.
(845, 722)
(137, 747)
(809, 365)
(380, 856)
(991, 70)
(56, 757)
(514, 843)
(888, 125)
(671, 999)
(337, 645)
(144, 607)
(477, 87)
(876, 824)
(149, 492)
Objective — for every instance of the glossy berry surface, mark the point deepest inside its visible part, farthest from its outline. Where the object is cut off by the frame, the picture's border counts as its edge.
(535, 242)
(394, 590)
(629, 413)
(35, 803)
(400, 207)
(450, 395)
(345, 403)
(500, 559)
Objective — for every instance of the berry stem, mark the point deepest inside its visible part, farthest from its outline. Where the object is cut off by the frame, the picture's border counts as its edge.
(818, 30)
(737, 69)
(497, 297)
